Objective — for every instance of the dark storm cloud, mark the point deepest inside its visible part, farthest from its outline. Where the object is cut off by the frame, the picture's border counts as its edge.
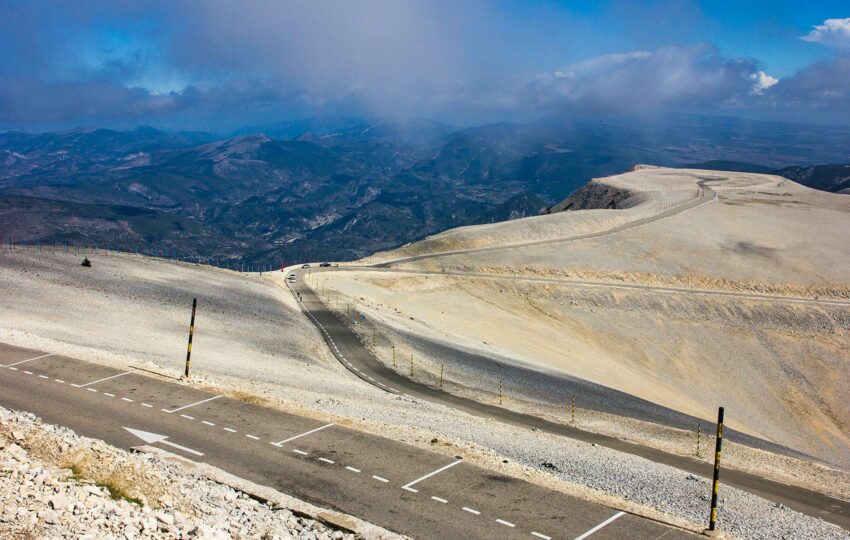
(218, 65)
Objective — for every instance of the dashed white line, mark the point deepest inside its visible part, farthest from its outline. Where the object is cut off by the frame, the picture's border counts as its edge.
(128, 400)
(471, 510)
(91, 390)
(252, 436)
(279, 443)
(230, 430)
(207, 423)
(352, 469)
(28, 372)
(42, 376)
(302, 452)
(603, 524)
(505, 523)
(439, 499)
(59, 381)
(326, 460)
(190, 405)
(187, 417)
(538, 535)
(108, 394)
(13, 368)
(148, 405)
(380, 479)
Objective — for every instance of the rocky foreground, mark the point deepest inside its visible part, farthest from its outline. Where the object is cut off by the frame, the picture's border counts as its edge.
(54, 484)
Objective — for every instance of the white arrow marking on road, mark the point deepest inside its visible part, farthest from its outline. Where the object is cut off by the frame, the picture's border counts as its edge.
(153, 438)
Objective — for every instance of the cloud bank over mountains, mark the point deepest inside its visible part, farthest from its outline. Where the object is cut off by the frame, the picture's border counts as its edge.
(219, 65)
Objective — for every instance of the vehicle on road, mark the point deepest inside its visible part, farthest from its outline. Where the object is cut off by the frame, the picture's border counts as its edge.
(325, 265)
(291, 278)
(305, 266)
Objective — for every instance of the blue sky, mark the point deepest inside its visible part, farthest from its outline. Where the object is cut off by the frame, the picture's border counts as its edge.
(219, 65)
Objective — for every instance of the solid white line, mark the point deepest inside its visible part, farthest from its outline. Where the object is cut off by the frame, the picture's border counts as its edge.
(352, 469)
(471, 510)
(252, 437)
(379, 479)
(302, 452)
(538, 535)
(604, 523)
(177, 446)
(439, 499)
(187, 417)
(207, 423)
(302, 434)
(230, 430)
(430, 474)
(29, 360)
(505, 523)
(101, 380)
(108, 394)
(326, 460)
(189, 405)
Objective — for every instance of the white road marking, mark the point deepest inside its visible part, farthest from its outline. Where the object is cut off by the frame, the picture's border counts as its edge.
(471, 510)
(91, 389)
(28, 372)
(439, 499)
(505, 523)
(108, 394)
(190, 405)
(100, 380)
(207, 423)
(252, 436)
(187, 417)
(147, 405)
(302, 435)
(13, 368)
(152, 438)
(393, 389)
(230, 430)
(429, 475)
(28, 360)
(302, 452)
(352, 469)
(379, 479)
(42, 377)
(128, 400)
(604, 523)
(538, 535)
(59, 381)
(326, 460)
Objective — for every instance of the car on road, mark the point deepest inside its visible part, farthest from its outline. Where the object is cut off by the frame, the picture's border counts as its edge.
(325, 265)
(305, 266)
(291, 278)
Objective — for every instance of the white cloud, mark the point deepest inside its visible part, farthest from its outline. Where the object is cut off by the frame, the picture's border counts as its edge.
(762, 81)
(832, 33)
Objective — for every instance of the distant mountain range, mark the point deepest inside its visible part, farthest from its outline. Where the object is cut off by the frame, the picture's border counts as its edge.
(343, 188)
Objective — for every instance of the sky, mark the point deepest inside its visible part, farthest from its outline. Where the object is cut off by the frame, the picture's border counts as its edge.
(218, 65)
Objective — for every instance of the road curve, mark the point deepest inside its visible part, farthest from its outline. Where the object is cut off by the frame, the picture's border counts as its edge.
(350, 350)
(705, 194)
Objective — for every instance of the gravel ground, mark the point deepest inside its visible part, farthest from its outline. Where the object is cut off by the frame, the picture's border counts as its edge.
(41, 498)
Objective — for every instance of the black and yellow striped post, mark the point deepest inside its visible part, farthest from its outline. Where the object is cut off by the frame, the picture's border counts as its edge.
(191, 333)
(715, 485)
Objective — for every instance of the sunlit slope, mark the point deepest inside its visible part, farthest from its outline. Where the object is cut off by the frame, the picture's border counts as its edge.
(742, 300)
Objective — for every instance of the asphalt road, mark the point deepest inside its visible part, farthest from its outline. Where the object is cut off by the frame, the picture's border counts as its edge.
(350, 350)
(402, 488)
